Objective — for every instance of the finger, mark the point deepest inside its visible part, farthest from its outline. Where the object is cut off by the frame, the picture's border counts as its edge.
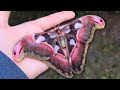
(54, 19)
(44, 23)
(4, 16)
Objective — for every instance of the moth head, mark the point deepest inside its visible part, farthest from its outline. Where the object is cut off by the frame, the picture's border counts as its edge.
(18, 52)
(20, 46)
(91, 23)
(98, 22)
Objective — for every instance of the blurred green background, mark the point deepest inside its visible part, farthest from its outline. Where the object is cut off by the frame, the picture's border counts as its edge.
(103, 58)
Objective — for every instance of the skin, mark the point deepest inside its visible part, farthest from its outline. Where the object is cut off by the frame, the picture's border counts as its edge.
(9, 35)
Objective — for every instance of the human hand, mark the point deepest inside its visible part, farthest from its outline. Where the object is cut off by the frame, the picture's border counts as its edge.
(9, 35)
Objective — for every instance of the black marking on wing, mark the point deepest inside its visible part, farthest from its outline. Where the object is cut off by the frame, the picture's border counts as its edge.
(60, 50)
(20, 50)
(48, 39)
(69, 37)
(36, 36)
(72, 25)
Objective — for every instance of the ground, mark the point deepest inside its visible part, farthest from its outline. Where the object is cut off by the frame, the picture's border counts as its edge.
(103, 56)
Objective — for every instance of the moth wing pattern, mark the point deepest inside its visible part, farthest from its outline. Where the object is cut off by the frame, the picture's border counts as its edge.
(63, 49)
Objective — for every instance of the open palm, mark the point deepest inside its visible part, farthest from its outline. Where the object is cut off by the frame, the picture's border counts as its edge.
(10, 35)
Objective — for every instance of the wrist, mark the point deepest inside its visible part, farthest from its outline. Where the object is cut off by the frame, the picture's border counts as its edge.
(31, 67)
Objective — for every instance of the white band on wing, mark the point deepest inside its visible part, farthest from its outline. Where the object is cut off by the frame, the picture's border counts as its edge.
(40, 39)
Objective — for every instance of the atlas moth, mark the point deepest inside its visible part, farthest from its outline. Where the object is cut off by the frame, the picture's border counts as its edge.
(65, 49)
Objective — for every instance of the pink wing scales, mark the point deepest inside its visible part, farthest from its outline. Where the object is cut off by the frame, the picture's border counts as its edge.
(78, 54)
(59, 63)
(42, 51)
(77, 58)
(76, 49)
